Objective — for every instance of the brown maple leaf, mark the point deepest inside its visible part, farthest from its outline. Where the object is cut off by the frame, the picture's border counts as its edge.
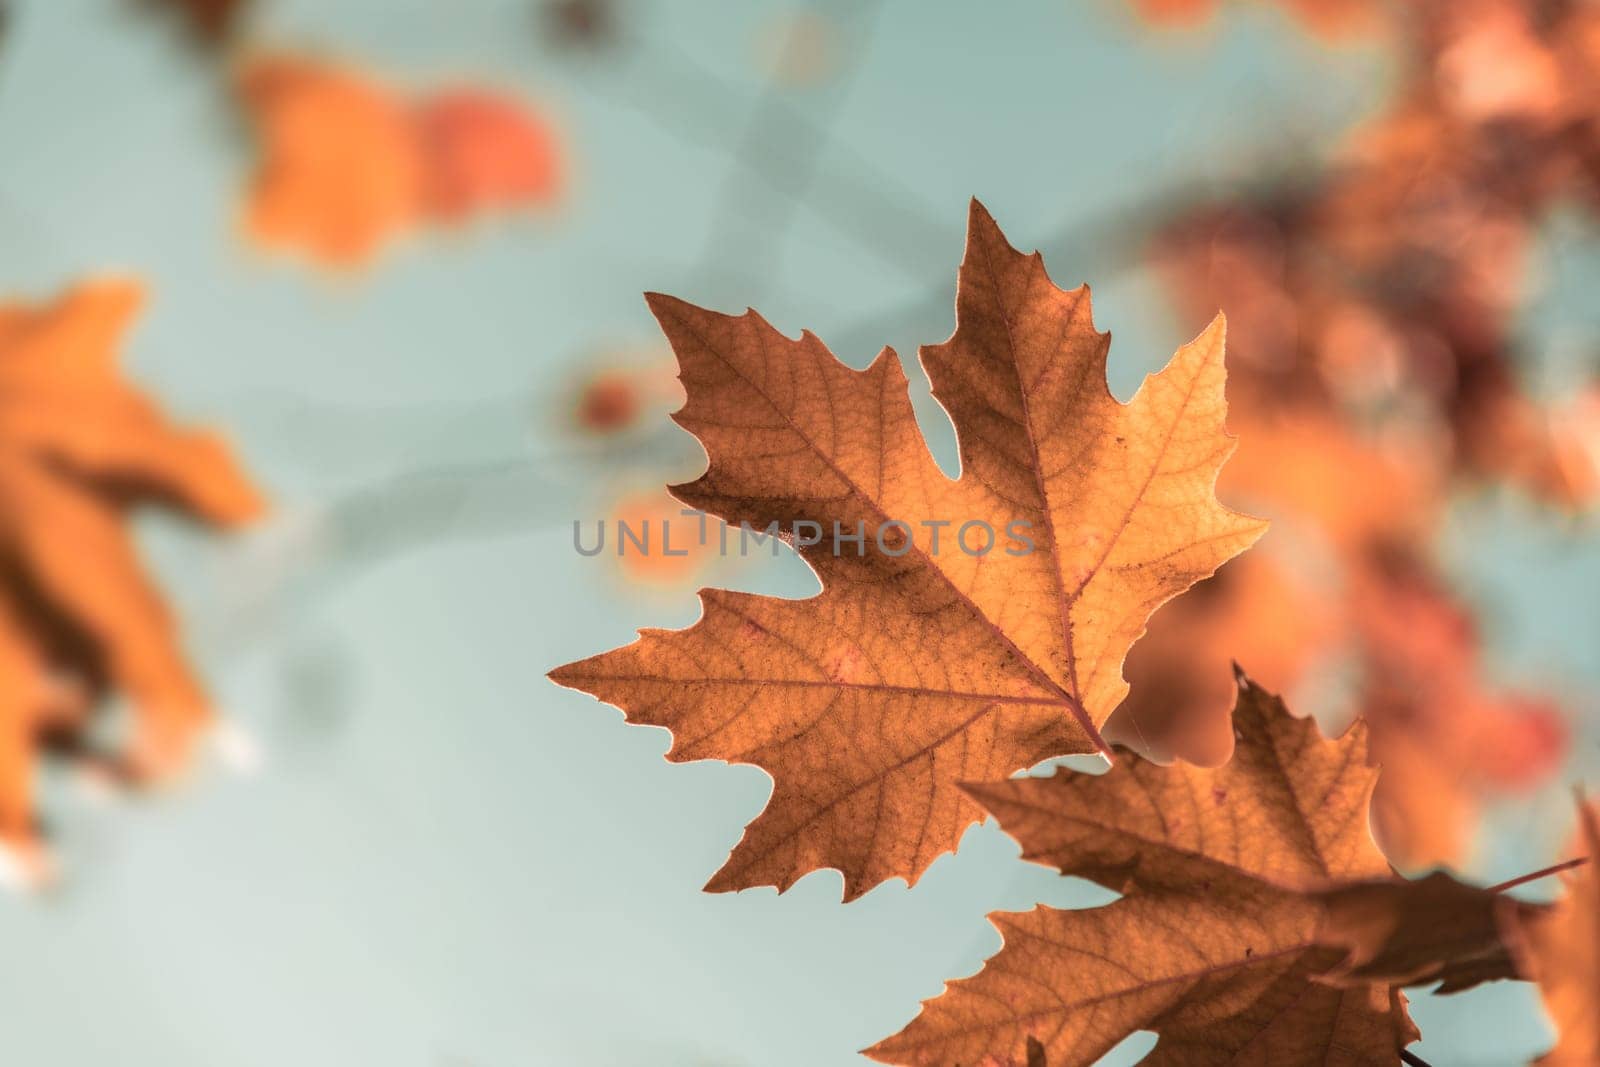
(1558, 949)
(1217, 943)
(78, 617)
(1432, 930)
(923, 663)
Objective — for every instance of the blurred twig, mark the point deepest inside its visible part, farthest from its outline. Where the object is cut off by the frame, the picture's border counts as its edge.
(874, 209)
(305, 553)
(774, 126)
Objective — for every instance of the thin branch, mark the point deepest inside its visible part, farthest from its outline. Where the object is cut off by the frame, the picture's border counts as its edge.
(1407, 1056)
(871, 211)
(771, 128)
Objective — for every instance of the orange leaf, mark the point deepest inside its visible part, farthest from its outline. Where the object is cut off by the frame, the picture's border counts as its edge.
(927, 660)
(348, 163)
(485, 152)
(1434, 929)
(1216, 945)
(340, 170)
(77, 446)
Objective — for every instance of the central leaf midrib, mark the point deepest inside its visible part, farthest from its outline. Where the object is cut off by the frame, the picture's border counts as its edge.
(1063, 602)
(819, 683)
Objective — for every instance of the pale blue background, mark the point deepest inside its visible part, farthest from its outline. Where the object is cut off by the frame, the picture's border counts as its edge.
(447, 861)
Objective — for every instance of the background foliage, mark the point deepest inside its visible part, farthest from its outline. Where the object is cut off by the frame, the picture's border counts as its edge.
(443, 860)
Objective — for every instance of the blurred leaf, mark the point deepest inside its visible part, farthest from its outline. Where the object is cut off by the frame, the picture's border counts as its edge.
(348, 163)
(78, 617)
(1560, 949)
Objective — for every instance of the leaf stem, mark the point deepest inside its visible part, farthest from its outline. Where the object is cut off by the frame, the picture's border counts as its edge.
(1407, 1056)
(1536, 875)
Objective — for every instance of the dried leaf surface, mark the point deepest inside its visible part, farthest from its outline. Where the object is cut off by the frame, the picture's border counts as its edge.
(1216, 945)
(1432, 930)
(922, 664)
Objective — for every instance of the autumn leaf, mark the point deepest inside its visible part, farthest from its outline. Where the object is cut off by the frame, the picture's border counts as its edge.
(340, 171)
(485, 152)
(922, 662)
(78, 617)
(1216, 944)
(1434, 931)
(349, 163)
(1558, 950)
